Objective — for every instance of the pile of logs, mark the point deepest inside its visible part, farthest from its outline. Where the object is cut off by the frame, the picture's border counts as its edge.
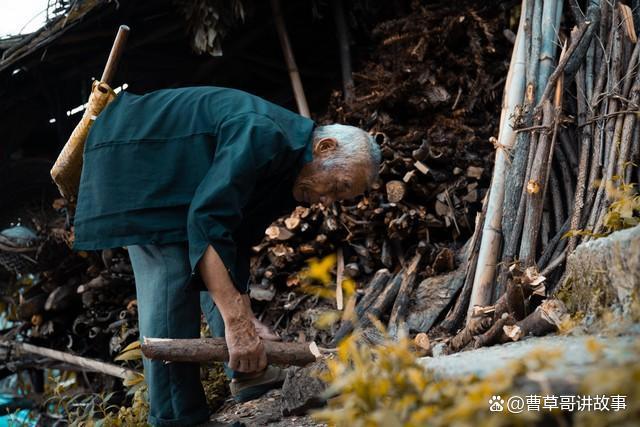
(81, 303)
(433, 124)
(567, 145)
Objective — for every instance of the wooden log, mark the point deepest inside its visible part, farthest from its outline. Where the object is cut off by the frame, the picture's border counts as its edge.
(535, 190)
(345, 50)
(399, 309)
(495, 334)
(545, 319)
(384, 301)
(275, 232)
(476, 326)
(215, 349)
(339, 279)
(456, 316)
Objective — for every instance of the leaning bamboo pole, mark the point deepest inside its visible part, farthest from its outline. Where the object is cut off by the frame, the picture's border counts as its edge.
(292, 67)
(82, 362)
(491, 232)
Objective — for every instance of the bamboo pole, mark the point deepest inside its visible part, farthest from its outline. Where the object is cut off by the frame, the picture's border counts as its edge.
(345, 50)
(550, 27)
(292, 67)
(482, 290)
(83, 362)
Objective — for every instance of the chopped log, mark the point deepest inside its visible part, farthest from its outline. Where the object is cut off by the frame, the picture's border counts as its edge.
(396, 190)
(476, 326)
(545, 319)
(495, 334)
(292, 223)
(422, 342)
(215, 349)
(278, 233)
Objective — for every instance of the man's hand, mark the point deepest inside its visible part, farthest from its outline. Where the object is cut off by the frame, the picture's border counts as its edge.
(246, 352)
(263, 330)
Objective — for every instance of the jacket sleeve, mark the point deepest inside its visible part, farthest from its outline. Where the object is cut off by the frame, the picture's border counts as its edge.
(246, 145)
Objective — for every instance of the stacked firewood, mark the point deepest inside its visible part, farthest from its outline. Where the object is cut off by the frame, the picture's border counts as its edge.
(80, 303)
(433, 124)
(566, 147)
(567, 158)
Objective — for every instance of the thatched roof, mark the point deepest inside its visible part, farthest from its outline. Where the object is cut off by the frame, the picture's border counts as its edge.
(15, 48)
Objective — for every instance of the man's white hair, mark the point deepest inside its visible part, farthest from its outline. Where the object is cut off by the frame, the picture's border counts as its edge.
(355, 146)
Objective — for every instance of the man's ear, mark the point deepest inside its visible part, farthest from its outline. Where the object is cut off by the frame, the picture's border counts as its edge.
(325, 146)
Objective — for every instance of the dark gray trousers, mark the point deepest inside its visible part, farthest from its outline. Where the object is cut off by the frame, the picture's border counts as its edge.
(166, 309)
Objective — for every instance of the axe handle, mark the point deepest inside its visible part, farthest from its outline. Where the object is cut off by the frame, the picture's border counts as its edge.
(115, 54)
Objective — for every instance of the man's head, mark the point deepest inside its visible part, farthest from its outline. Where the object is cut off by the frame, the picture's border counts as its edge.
(345, 164)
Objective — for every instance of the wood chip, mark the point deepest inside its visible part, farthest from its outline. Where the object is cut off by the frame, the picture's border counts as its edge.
(421, 167)
(474, 172)
(627, 21)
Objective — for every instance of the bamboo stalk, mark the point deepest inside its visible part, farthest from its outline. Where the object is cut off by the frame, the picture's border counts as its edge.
(519, 163)
(345, 51)
(482, 290)
(292, 67)
(83, 362)
(550, 27)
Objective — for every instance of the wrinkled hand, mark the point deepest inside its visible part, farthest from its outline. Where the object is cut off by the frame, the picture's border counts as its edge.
(246, 352)
(263, 330)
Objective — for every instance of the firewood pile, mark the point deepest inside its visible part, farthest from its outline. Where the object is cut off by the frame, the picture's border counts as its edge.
(462, 240)
(81, 303)
(566, 161)
(430, 94)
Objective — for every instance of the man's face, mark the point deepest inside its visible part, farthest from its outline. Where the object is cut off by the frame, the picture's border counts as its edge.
(328, 186)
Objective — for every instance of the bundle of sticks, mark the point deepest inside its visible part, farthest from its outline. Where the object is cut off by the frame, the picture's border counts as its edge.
(568, 137)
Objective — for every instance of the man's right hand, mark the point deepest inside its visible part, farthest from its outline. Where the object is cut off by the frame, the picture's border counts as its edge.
(246, 351)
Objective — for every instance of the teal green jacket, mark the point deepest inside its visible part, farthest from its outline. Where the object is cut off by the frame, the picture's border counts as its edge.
(211, 166)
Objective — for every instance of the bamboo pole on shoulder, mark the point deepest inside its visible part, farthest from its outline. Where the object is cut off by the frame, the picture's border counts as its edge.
(491, 233)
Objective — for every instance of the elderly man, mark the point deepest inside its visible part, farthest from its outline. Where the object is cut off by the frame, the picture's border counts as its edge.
(188, 179)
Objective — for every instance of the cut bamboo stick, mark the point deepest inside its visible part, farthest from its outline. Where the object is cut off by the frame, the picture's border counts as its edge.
(482, 291)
